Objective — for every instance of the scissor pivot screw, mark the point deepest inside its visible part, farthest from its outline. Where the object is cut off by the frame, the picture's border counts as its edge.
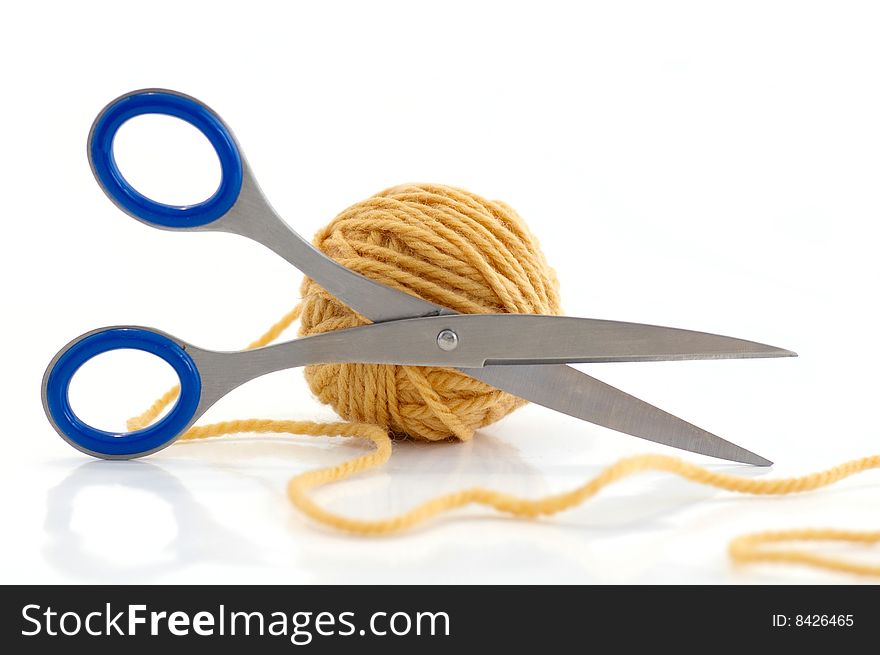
(447, 340)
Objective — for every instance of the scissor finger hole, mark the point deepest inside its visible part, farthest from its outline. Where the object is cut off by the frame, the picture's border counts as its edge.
(167, 160)
(121, 443)
(135, 203)
(114, 386)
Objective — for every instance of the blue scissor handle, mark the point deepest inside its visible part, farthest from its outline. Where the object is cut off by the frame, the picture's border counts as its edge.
(125, 444)
(170, 103)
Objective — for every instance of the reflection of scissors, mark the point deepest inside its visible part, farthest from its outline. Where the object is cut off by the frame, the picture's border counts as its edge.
(521, 354)
(198, 535)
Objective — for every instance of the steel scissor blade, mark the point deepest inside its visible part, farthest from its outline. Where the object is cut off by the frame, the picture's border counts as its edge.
(494, 339)
(477, 340)
(571, 392)
(519, 341)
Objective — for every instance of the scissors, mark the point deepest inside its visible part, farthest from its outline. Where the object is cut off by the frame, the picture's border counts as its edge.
(525, 355)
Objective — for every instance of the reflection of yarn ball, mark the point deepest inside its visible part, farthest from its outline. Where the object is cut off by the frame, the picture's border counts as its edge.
(446, 246)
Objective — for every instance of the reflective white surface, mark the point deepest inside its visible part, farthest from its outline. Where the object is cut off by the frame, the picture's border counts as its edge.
(683, 165)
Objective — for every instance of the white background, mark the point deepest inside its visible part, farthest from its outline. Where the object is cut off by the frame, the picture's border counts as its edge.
(705, 165)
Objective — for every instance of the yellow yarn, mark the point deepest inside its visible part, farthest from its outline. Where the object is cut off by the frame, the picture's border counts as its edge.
(446, 246)
(454, 248)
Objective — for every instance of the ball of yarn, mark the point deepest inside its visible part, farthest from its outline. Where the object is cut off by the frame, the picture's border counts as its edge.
(449, 247)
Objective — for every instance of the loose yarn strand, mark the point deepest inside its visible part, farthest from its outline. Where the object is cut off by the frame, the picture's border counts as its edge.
(454, 248)
(749, 549)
